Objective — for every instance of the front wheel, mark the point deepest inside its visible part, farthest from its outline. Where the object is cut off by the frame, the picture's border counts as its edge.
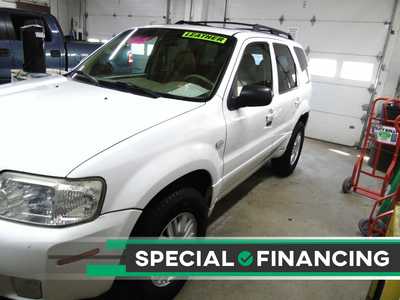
(284, 166)
(182, 213)
(347, 185)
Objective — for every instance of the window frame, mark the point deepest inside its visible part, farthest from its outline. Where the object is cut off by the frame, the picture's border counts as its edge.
(277, 67)
(266, 45)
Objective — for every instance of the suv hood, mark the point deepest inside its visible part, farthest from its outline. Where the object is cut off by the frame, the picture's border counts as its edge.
(51, 126)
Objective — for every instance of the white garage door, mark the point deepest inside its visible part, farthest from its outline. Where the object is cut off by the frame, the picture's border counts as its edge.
(345, 42)
(107, 18)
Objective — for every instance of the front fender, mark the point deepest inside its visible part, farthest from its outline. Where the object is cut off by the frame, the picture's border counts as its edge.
(164, 169)
(139, 168)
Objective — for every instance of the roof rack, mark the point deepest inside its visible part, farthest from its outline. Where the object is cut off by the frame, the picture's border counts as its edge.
(253, 27)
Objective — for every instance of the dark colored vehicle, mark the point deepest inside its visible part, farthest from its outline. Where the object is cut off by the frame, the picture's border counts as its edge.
(61, 53)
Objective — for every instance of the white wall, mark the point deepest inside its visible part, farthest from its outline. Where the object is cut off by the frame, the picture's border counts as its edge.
(67, 10)
(108, 17)
(10, 4)
(392, 70)
(391, 73)
(59, 8)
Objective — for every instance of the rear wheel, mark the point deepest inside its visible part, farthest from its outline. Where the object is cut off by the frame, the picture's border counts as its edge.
(285, 165)
(183, 214)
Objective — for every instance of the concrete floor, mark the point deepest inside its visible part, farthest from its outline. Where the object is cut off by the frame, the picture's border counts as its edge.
(308, 203)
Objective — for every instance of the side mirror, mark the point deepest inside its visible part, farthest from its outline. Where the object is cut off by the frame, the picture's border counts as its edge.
(250, 96)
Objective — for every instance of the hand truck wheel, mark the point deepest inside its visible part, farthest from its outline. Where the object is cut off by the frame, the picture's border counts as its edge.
(363, 225)
(347, 185)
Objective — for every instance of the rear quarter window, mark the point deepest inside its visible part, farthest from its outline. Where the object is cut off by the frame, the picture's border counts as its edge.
(302, 59)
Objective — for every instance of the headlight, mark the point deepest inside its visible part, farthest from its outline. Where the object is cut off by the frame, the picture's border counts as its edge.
(49, 201)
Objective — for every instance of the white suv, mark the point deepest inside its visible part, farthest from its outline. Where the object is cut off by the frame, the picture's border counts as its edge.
(141, 139)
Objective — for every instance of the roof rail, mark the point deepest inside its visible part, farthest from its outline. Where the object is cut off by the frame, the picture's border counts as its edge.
(253, 27)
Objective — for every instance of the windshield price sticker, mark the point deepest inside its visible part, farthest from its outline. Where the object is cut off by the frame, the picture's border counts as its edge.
(205, 37)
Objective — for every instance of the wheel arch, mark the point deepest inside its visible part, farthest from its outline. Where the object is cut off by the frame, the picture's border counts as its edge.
(200, 179)
(304, 118)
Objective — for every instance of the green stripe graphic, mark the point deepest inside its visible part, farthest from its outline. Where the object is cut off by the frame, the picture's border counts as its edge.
(122, 244)
(120, 271)
(108, 270)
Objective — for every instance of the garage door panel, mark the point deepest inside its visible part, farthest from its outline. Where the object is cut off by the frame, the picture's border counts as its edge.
(107, 18)
(345, 100)
(99, 8)
(361, 38)
(98, 26)
(337, 129)
(127, 7)
(142, 8)
(339, 10)
(177, 10)
(361, 80)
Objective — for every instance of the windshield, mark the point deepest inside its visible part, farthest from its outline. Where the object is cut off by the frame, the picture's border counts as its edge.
(159, 61)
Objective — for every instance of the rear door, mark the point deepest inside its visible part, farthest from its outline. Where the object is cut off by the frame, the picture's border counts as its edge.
(287, 94)
(5, 53)
(303, 78)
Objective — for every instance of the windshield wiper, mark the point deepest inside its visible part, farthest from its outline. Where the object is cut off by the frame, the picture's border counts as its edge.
(129, 87)
(86, 76)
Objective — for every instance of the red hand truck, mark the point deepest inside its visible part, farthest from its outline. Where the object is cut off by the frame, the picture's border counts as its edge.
(382, 134)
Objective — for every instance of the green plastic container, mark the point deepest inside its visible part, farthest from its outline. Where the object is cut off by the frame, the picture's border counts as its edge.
(387, 204)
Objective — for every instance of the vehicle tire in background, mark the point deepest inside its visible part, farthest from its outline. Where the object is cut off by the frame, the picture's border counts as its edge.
(181, 213)
(284, 166)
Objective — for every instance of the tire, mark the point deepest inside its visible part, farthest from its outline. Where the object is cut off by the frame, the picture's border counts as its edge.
(284, 166)
(152, 223)
(347, 185)
(363, 226)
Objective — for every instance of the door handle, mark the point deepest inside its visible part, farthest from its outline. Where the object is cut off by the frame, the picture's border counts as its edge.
(297, 102)
(269, 117)
(4, 52)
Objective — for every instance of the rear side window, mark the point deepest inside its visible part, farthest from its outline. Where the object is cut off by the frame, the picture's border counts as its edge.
(287, 77)
(301, 57)
(20, 20)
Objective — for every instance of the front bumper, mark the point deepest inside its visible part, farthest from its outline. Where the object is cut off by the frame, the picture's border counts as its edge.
(25, 250)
